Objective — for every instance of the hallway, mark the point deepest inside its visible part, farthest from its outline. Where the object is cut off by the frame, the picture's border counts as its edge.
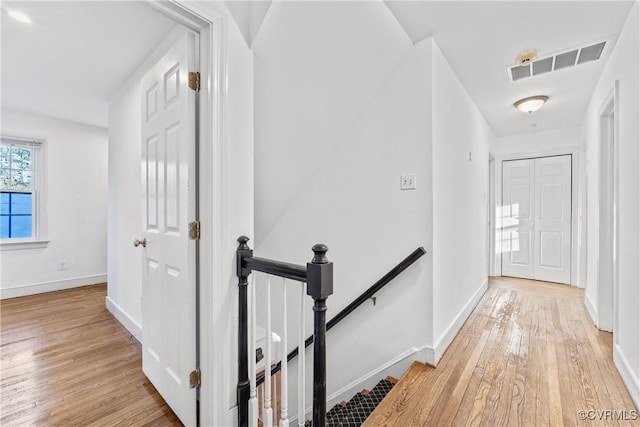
(528, 355)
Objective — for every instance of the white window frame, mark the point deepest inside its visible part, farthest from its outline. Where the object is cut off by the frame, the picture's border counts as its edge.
(39, 230)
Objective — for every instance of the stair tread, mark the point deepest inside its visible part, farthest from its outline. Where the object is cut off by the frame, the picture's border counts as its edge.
(335, 410)
(354, 412)
(341, 412)
(407, 385)
(361, 412)
(392, 380)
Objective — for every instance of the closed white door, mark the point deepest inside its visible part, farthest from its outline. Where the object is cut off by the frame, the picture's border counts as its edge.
(537, 219)
(552, 243)
(518, 199)
(169, 285)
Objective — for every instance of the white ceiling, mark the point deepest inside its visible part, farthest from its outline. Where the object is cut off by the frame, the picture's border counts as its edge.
(75, 54)
(481, 38)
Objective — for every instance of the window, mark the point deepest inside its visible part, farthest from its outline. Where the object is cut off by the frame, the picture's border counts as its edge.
(19, 163)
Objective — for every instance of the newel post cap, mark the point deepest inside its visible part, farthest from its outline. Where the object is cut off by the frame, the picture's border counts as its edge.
(320, 254)
(319, 273)
(243, 240)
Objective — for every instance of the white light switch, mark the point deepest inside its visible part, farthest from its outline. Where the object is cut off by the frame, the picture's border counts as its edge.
(408, 181)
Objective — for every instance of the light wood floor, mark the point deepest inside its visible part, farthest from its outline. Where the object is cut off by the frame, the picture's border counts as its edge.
(66, 361)
(528, 355)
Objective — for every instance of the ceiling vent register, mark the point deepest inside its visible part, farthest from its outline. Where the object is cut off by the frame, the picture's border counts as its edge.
(557, 62)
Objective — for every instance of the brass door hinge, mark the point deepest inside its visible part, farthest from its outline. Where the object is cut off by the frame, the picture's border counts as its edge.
(194, 378)
(194, 80)
(194, 230)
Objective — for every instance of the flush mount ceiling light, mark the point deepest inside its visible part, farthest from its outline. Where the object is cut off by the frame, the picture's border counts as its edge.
(19, 16)
(531, 104)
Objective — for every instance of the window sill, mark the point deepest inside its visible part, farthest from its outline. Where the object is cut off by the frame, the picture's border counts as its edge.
(16, 244)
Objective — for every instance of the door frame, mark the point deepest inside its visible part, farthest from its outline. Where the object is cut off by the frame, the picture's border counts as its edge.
(491, 220)
(608, 239)
(576, 195)
(210, 23)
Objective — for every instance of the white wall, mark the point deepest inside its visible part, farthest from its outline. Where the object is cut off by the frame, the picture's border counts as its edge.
(75, 212)
(623, 65)
(235, 204)
(460, 203)
(125, 186)
(339, 115)
(538, 143)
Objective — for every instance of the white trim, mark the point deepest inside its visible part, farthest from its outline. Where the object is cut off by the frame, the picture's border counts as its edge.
(450, 333)
(607, 289)
(55, 285)
(127, 321)
(491, 221)
(216, 291)
(626, 372)
(16, 244)
(591, 309)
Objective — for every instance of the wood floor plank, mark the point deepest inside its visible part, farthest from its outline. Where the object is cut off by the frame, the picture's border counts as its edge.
(531, 366)
(66, 361)
(393, 411)
(529, 355)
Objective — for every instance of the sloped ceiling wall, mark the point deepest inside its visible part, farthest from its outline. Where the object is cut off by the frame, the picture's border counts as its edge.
(249, 16)
(339, 115)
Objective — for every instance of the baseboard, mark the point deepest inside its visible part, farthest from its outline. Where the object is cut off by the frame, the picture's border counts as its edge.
(395, 367)
(626, 372)
(450, 333)
(591, 309)
(127, 321)
(56, 285)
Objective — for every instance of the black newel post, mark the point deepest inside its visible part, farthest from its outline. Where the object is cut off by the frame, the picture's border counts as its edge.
(242, 396)
(319, 287)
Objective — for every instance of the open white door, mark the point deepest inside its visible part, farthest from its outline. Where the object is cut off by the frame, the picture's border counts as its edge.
(536, 224)
(168, 177)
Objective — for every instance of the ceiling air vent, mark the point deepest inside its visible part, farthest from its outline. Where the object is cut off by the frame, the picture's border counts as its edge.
(558, 61)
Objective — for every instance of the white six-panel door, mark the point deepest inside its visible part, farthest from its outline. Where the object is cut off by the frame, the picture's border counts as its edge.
(537, 219)
(518, 198)
(168, 288)
(552, 242)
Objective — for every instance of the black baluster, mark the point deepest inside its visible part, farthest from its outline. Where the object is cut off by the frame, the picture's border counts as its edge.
(243, 391)
(319, 287)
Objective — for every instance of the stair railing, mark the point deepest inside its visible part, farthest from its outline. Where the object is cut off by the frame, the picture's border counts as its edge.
(318, 277)
(366, 295)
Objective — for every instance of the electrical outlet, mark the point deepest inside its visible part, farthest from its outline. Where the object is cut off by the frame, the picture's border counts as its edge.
(62, 264)
(408, 181)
